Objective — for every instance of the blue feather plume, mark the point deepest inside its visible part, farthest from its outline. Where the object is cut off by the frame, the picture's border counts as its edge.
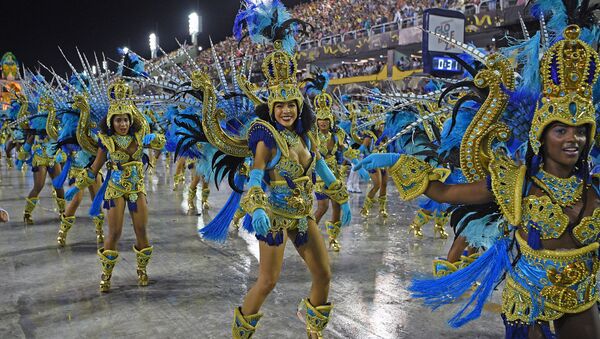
(217, 229)
(487, 270)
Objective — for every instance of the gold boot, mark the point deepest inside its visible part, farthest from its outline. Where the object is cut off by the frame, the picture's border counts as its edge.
(142, 257)
(10, 162)
(108, 259)
(61, 204)
(244, 326)
(191, 199)
(178, 179)
(29, 207)
(99, 223)
(440, 220)
(383, 207)
(366, 207)
(65, 225)
(420, 219)
(333, 230)
(205, 194)
(316, 318)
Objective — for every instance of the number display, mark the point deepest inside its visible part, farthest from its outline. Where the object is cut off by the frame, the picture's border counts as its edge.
(445, 64)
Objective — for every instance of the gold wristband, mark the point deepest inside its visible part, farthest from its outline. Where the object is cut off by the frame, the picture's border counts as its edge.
(337, 192)
(412, 176)
(255, 198)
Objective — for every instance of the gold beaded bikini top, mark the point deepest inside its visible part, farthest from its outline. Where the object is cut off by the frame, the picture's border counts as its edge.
(538, 212)
(117, 147)
(549, 219)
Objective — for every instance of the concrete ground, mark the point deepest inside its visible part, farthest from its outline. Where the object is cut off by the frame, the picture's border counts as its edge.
(52, 292)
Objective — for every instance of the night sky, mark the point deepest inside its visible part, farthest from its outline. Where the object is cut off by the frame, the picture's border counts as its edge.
(32, 30)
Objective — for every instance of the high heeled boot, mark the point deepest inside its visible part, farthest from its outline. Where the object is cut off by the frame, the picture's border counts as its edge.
(441, 218)
(419, 220)
(244, 326)
(191, 199)
(99, 223)
(178, 179)
(383, 207)
(142, 257)
(205, 194)
(65, 225)
(60, 204)
(366, 207)
(108, 259)
(30, 204)
(317, 318)
(333, 231)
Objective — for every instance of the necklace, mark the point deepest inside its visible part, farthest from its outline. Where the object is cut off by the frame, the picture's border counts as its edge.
(123, 141)
(291, 138)
(562, 191)
(324, 137)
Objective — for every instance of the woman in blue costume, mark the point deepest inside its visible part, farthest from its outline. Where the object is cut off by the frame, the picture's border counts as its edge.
(284, 161)
(547, 209)
(372, 139)
(123, 137)
(39, 149)
(78, 141)
(331, 146)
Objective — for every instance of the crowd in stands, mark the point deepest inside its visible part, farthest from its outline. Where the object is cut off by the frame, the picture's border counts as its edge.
(334, 17)
(346, 70)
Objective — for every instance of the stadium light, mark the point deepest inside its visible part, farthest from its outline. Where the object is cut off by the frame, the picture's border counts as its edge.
(125, 50)
(194, 23)
(153, 40)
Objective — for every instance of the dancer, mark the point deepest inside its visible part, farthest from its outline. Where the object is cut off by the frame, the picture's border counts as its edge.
(123, 136)
(548, 206)
(331, 146)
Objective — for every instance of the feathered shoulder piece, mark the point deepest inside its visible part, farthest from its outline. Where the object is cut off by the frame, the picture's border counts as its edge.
(267, 21)
(261, 130)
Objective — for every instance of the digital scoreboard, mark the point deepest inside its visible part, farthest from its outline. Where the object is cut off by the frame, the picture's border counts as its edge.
(437, 53)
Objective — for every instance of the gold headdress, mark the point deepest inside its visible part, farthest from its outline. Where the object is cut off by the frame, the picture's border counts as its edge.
(120, 98)
(279, 68)
(323, 103)
(568, 71)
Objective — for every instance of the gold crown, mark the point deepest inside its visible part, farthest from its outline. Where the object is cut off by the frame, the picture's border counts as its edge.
(323, 103)
(279, 68)
(120, 99)
(568, 72)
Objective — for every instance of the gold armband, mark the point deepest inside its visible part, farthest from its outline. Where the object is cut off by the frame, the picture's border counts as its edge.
(158, 142)
(85, 179)
(255, 198)
(352, 153)
(337, 192)
(412, 176)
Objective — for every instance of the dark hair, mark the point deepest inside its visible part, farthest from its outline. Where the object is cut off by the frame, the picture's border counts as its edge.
(133, 128)
(581, 168)
(306, 116)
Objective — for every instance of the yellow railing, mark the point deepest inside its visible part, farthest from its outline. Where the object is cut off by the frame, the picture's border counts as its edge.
(382, 75)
